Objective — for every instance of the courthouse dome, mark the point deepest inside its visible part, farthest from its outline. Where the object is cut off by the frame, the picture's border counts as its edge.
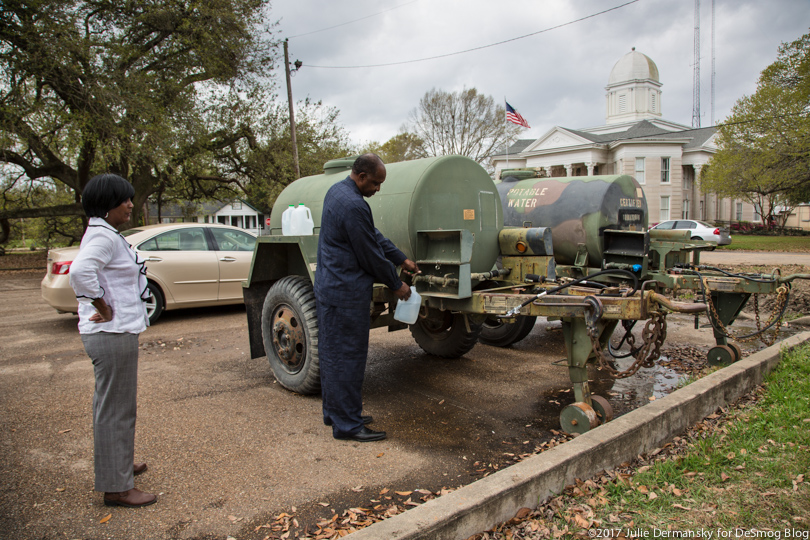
(633, 66)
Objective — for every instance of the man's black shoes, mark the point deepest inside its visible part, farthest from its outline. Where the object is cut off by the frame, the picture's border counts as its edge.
(364, 435)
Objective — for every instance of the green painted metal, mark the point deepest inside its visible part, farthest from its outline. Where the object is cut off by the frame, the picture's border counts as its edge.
(440, 193)
(576, 208)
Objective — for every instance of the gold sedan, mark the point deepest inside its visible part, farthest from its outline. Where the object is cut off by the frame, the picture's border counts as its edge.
(187, 265)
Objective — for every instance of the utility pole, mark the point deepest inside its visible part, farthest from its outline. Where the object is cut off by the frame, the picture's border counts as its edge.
(696, 81)
(292, 113)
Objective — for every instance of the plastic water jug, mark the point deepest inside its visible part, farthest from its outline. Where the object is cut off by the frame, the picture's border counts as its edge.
(301, 223)
(407, 311)
(286, 220)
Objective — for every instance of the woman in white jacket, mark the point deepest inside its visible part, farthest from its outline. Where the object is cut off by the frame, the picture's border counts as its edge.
(110, 283)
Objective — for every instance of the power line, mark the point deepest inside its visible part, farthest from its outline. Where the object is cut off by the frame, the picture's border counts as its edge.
(353, 21)
(481, 47)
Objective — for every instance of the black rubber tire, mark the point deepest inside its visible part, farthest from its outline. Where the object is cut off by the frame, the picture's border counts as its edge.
(155, 304)
(290, 333)
(444, 334)
(498, 333)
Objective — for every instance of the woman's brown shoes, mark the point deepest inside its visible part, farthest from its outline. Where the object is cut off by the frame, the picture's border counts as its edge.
(132, 498)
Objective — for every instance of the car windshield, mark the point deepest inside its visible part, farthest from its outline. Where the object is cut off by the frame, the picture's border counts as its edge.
(130, 231)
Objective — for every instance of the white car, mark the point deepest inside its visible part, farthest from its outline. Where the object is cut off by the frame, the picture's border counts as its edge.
(699, 230)
(187, 265)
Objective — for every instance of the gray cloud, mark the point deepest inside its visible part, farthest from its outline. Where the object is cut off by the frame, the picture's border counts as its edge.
(553, 78)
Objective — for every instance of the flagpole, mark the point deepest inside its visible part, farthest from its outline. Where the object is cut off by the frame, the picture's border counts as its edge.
(506, 130)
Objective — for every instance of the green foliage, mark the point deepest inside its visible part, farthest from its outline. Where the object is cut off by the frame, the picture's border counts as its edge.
(764, 145)
(160, 92)
(401, 147)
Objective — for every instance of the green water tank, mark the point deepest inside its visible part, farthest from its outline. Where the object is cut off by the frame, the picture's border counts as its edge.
(449, 193)
(576, 209)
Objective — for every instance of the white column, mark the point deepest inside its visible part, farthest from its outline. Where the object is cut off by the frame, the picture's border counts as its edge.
(590, 165)
(548, 170)
(568, 170)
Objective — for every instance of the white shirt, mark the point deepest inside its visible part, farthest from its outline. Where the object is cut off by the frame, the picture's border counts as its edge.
(108, 267)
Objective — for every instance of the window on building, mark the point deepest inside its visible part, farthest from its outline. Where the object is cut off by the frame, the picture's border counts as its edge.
(236, 205)
(757, 214)
(702, 215)
(653, 102)
(640, 170)
(739, 211)
(622, 103)
(665, 170)
(664, 216)
(685, 211)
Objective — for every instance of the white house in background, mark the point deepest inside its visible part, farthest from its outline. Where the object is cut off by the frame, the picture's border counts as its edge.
(237, 213)
(665, 157)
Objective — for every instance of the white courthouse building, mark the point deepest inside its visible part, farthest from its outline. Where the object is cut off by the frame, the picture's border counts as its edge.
(665, 157)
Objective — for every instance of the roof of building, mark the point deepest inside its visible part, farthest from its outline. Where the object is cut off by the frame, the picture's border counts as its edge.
(641, 130)
(633, 66)
(190, 209)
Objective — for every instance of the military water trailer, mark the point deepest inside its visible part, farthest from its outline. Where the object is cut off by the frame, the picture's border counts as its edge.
(600, 222)
(445, 213)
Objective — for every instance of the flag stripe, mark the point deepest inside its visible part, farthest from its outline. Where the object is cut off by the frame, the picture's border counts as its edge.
(513, 116)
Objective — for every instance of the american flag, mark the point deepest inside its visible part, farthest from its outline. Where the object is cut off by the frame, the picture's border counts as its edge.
(513, 116)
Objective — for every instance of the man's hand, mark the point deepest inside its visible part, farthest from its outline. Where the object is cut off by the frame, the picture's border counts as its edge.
(410, 267)
(404, 292)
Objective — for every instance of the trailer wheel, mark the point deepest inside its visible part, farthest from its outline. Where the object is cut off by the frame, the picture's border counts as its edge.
(290, 332)
(445, 334)
(500, 333)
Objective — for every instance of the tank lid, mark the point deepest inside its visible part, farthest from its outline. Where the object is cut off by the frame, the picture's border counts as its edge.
(337, 165)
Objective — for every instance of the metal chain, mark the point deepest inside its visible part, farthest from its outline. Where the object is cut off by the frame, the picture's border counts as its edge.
(768, 340)
(653, 336)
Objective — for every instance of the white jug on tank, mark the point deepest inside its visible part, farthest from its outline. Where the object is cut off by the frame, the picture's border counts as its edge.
(286, 220)
(301, 223)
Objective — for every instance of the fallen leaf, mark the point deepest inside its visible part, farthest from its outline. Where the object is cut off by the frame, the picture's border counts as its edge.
(403, 493)
(724, 477)
(60, 490)
(357, 489)
(652, 496)
(106, 518)
(381, 454)
(680, 507)
(65, 431)
(384, 491)
(323, 503)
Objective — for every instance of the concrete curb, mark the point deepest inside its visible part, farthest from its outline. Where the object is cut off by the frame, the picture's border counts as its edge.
(496, 498)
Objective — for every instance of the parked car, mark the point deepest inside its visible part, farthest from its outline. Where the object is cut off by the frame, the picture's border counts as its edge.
(187, 265)
(700, 230)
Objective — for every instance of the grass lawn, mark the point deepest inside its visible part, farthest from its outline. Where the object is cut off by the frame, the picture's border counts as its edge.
(769, 243)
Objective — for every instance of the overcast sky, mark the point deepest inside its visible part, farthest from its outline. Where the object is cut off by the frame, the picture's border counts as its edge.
(555, 77)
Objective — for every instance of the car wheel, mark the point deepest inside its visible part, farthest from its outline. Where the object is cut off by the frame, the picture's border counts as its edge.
(290, 333)
(154, 303)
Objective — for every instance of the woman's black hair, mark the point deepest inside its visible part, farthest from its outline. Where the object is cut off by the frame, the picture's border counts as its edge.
(103, 193)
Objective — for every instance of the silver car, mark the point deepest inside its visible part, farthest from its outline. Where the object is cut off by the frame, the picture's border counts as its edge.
(699, 230)
(187, 265)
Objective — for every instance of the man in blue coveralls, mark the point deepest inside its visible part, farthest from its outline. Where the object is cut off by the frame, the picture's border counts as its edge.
(352, 256)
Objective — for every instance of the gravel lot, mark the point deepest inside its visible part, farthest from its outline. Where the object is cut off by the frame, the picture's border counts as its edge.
(229, 449)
